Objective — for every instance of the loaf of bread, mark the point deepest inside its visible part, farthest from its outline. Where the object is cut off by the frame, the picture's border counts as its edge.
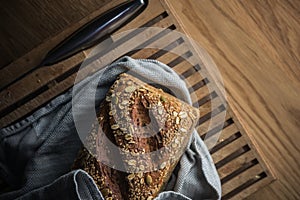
(149, 130)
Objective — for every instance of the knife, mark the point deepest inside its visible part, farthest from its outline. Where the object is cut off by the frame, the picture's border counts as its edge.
(92, 33)
(95, 31)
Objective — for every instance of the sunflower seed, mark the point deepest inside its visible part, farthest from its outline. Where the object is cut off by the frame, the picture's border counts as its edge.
(119, 133)
(159, 103)
(105, 191)
(142, 167)
(131, 128)
(163, 165)
(140, 174)
(134, 153)
(131, 162)
(121, 107)
(128, 137)
(142, 181)
(108, 98)
(125, 102)
(160, 110)
(130, 89)
(131, 142)
(148, 180)
(183, 115)
(163, 99)
(123, 129)
(177, 120)
(183, 130)
(130, 176)
(114, 126)
(112, 112)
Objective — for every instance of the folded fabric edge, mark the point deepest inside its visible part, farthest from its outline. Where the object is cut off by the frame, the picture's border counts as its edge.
(170, 195)
(207, 165)
(86, 186)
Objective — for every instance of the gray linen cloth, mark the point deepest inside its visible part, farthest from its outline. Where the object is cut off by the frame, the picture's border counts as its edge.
(36, 154)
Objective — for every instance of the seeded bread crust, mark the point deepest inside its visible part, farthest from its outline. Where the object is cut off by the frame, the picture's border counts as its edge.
(139, 119)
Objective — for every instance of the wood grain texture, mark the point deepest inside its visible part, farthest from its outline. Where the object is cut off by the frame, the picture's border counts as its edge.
(12, 97)
(29, 58)
(256, 46)
(26, 24)
(219, 30)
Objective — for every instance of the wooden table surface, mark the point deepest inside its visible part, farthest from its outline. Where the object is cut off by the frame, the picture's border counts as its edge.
(256, 46)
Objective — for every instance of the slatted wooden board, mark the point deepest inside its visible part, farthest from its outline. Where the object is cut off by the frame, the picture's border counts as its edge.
(242, 170)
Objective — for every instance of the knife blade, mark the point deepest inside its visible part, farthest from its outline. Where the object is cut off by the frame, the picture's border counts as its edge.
(90, 34)
(95, 31)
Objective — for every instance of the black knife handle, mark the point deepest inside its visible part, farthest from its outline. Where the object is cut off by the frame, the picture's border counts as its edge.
(95, 31)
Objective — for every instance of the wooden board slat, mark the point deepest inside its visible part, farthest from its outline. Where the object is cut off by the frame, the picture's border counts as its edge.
(201, 93)
(251, 189)
(160, 46)
(183, 68)
(206, 109)
(36, 80)
(229, 149)
(206, 126)
(227, 132)
(38, 101)
(235, 164)
(231, 188)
